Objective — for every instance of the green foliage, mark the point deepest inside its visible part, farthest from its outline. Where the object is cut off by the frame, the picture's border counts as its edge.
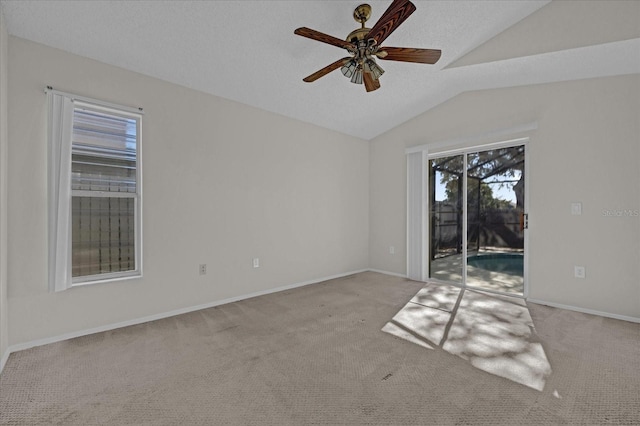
(492, 165)
(487, 199)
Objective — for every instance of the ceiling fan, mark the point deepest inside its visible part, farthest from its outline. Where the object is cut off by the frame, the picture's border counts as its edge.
(365, 45)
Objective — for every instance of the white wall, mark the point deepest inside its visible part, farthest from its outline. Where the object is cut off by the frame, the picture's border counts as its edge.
(586, 149)
(4, 326)
(223, 183)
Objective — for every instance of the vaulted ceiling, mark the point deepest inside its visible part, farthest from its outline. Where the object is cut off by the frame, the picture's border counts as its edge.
(246, 50)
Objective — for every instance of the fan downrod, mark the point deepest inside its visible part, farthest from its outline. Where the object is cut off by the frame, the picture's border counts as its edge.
(361, 14)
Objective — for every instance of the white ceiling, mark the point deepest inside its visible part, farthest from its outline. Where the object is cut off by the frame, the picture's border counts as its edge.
(246, 51)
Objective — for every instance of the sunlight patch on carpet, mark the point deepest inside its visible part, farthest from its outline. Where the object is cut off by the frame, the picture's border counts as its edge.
(493, 333)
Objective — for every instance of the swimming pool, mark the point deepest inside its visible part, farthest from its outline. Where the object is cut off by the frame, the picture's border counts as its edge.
(506, 263)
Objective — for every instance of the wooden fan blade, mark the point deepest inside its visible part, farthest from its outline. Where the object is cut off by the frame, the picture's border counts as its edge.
(326, 70)
(370, 83)
(325, 38)
(409, 54)
(391, 19)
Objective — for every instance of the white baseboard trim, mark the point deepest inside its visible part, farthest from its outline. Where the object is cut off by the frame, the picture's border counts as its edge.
(4, 359)
(584, 310)
(393, 274)
(66, 336)
(39, 342)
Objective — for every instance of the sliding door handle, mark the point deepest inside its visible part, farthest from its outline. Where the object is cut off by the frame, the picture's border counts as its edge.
(524, 221)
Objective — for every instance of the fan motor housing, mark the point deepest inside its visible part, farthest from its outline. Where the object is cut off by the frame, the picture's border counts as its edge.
(357, 35)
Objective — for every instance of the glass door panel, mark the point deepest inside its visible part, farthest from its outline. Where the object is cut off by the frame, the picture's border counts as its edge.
(495, 220)
(446, 179)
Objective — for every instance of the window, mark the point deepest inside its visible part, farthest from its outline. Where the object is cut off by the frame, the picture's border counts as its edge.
(95, 192)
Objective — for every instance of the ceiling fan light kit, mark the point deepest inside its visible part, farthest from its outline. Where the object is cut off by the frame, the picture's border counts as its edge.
(349, 68)
(374, 69)
(364, 46)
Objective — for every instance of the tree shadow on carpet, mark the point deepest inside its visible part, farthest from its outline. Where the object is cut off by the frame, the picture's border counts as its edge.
(493, 333)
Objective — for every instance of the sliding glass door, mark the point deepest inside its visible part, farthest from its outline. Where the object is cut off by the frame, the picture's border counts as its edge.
(477, 219)
(446, 176)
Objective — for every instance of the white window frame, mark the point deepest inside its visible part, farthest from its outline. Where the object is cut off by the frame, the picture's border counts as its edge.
(61, 108)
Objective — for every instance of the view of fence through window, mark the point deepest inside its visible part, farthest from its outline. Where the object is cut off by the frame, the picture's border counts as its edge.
(104, 185)
(494, 216)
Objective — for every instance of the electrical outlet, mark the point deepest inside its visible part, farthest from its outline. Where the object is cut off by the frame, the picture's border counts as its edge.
(256, 262)
(203, 269)
(392, 250)
(576, 209)
(579, 271)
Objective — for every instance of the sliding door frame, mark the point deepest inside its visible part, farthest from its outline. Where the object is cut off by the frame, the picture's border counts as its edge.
(421, 156)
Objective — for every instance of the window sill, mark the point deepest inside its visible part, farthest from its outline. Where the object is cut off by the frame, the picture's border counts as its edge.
(98, 279)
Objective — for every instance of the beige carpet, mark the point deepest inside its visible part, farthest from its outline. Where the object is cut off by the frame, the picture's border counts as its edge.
(318, 355)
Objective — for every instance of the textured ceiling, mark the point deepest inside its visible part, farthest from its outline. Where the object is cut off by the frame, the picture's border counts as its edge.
(246, 51)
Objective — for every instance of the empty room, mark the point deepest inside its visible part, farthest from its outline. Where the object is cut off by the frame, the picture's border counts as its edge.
(320, 212)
